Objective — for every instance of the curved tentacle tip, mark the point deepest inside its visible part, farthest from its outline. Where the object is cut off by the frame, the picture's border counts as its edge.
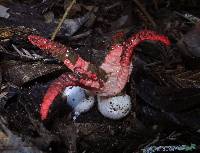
(151, 35)
(165, 40)
(38, 41)
(44, 112)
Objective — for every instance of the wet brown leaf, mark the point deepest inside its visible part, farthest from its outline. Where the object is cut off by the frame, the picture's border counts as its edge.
(20, 73)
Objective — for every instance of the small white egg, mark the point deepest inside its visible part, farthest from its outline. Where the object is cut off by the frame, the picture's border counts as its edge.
(114, 107)
(78, 99)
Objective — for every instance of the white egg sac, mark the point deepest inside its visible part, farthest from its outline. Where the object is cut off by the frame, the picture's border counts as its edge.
(114, 107)
(78, 99)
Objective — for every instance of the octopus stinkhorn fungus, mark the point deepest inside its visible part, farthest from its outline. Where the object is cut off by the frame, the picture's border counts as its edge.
(106, 80)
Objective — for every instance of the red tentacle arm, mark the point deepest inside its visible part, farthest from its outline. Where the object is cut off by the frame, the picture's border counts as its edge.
(138, 38)
(72, 60)
(117, 63)
(59, 85)
(54, 89)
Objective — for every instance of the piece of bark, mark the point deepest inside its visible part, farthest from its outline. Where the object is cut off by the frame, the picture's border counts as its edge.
(20, 73)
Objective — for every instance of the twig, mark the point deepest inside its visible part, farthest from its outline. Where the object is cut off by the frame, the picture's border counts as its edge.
(26, 54)
(81, 35)
(189, 17)
(141, 7)
(112, 6)
(62, 20)
(155, 4)
(71, 138)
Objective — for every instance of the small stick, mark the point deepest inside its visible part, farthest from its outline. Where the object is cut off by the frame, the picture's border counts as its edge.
(145, 12)
(62, 20)
(81, 35)
(155, 4)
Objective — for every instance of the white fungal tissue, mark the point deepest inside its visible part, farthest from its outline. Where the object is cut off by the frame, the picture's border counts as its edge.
(78, 99)
(114, 107)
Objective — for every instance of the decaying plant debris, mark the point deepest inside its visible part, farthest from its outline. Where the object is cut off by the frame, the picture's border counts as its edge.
(164, 85)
